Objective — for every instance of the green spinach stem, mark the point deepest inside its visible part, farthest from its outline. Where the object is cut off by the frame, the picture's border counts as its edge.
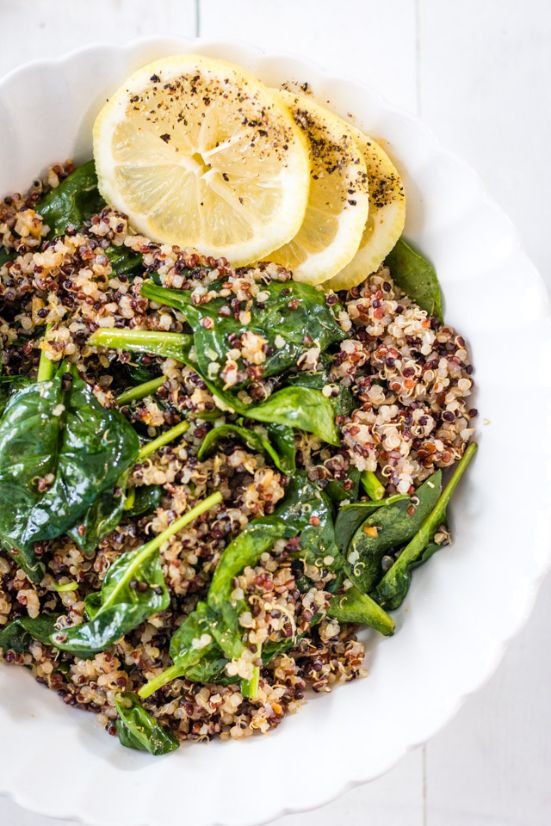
(165, 677)
(168, 345)
(162, 440)
(46, 367)
(141, 390)
(147, 550)
(424, 535)
(374, 489)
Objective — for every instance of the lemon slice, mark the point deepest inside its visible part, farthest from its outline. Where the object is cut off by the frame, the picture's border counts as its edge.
(387, 215)
(338, 202)
(198, 153)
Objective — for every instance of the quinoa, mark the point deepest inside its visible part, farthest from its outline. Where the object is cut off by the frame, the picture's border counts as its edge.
(411, 380)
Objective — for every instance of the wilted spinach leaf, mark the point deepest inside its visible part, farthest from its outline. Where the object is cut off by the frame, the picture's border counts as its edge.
(75, 200)
(10, 385)
(124, 261)
(292, 319)
(293, 407)
(393, 587)
(58, 432)
(18, 634)
(416, 277)
(146, 499)
(387, 529)
(301, 408)
(252, 438)
(211, 635)
(138, 729)
(343, 403)
(350, 517)
(133, 589)
(347, 488)
(102, 517)
(5, 256)
(353, 606)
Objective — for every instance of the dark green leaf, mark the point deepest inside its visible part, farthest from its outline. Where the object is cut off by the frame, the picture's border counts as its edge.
(252, 438)
(292, 407)
(10, 385)
(146, 500)
(393, 587)
(138, 729)
(353, 606)
(301, 408)
(5, 256)
(120, 606)
(101, 518)
(18, 634)
(133, 589)
(57, 428)
(388, 528)
(347, 488)
(283, 438)
(124, 261)
(292, 319)
(72, 202)
(416, 277)
(343, 403)
(351, 516)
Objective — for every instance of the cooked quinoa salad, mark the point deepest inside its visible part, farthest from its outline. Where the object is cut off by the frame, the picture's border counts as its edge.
(259, 465)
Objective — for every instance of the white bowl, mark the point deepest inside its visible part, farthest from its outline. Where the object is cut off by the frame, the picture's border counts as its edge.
(462, 608)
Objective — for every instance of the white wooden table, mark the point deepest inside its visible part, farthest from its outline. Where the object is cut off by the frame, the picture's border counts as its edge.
(478, 72)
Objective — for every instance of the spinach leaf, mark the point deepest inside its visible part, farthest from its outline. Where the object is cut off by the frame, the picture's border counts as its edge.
(350, 517)
(387, 529)
(212, 634)
(293, 407)
(195, 653)
(101, 518)
(146, 499)
(343, 403)
(393, 587)
(283, 438)
(348, 488)
(10, 385)
(5, 256)
(57, 431)
(75, 200)
(138, 729)
(416, 277)
(124, 261)
(18, 634)
(293, 318)
(353, 606)
(252, 438)
(301, 408)
(133, 590)
(106, 512)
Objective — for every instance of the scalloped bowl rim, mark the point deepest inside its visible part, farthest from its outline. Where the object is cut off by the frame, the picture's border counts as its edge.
(22, 793)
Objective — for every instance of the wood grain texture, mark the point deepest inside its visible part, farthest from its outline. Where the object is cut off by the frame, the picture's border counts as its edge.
(478, 70)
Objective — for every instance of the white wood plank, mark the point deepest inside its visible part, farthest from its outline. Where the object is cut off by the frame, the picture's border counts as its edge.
(491, 764)
(48, 28)
(483, 76)
(364, 39)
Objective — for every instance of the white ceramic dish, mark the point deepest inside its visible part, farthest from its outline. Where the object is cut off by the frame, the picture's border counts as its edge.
(462, 609)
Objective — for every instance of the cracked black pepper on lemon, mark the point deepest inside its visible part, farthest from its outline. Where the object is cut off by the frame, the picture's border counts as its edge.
(281, 476)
